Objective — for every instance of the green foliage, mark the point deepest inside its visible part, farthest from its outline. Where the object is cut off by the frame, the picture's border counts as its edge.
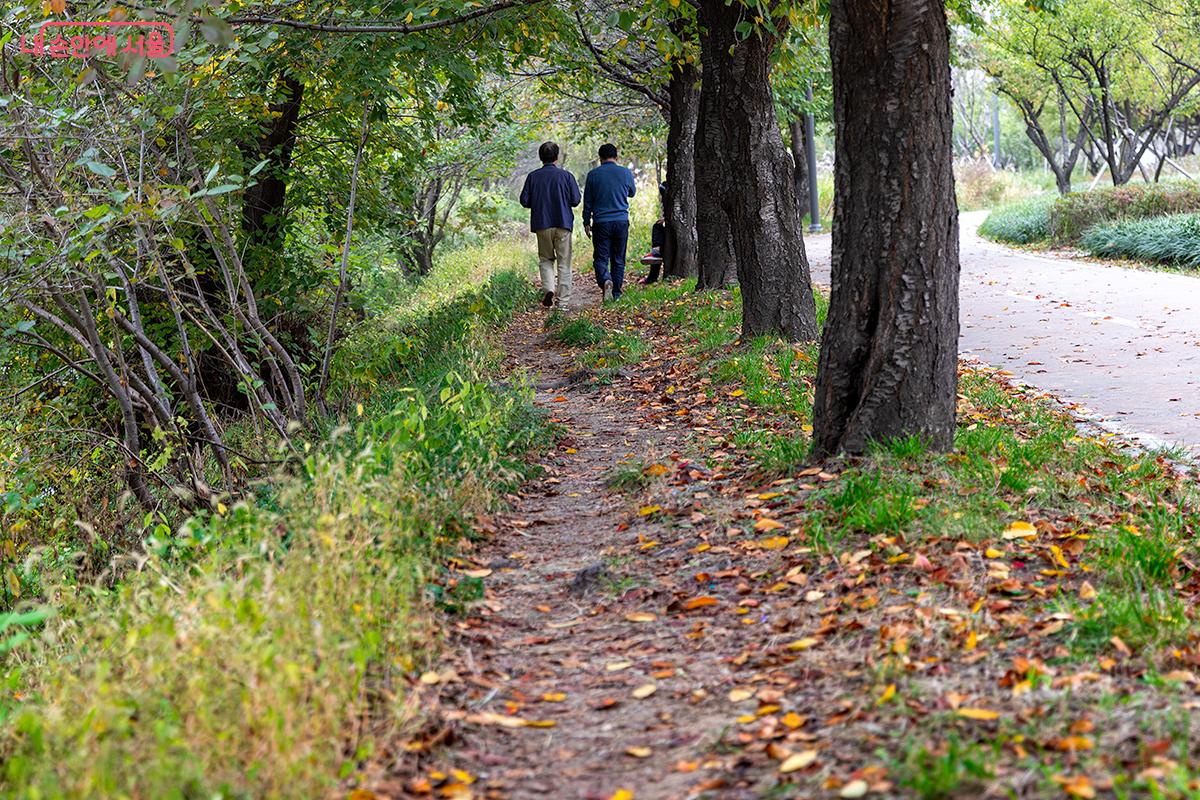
(247, 668)
(1024, 222)
(578, 332)
(1172, 240)
(1072, 215)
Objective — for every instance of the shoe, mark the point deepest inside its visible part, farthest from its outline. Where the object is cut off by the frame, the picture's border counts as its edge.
(548, 299)
(608, 292)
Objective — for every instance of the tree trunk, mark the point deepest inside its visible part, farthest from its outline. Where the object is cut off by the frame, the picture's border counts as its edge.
(760, 196)
(716, 263)
(680, 250)
(262, 203)
(799, 162)
(889, 356)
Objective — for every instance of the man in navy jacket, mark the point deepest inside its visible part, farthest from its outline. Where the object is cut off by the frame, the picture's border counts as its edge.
(550, 193)
(606, 194)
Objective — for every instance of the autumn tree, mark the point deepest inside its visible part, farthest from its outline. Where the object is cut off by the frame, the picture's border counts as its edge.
(889, 354)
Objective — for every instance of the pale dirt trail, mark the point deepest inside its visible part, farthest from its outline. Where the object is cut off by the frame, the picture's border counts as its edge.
(1123, 343)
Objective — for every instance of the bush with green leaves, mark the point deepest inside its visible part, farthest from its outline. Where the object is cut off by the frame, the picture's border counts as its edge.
(263, 650)
(1074, 214)
(1024, 222)
(1173, 240)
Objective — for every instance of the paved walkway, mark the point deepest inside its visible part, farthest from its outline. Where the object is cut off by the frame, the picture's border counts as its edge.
(1122, 343)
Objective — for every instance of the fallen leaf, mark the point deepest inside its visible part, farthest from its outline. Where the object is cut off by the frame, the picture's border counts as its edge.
(888, 694)
(803, 644)
(646, 511)
(1020, 530)
(792, 720)
(1087, 591)
(644, 691)
(641, 616)
(798, 761)
(856, 788)
(639, 752)
(979, 713)
(554, 697)
(621, 794)
(700, 602)
(740, 695)
(768, 524)
(617, 666)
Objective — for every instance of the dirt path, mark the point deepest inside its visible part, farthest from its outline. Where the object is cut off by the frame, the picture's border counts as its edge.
(570, 639)
(1124, 343)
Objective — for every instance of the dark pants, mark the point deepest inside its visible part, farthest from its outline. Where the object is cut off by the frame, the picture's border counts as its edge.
(608, 248)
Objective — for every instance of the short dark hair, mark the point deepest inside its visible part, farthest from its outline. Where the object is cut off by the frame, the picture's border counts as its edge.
(548, 152)
(608, 150)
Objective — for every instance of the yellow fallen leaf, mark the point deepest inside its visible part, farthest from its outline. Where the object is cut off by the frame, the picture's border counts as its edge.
(773, 543)
(856, 788)
(540, 723)
(554, 697)
(657, 470)
(803, 644)
(621, 794)
(1020, 530)
(972, 641)
(617, 666)
(646, 511)
(770, 495)
(736, 393)
(641, 616)
(430, 678)
(644, 691)
(740, 695)
(476, 573)
(798, 761)
(1087, 591)
(992, 552)
(1057, 552)
(639, 752)
(792, 720)
(979, 713)
(888, 694)
(768, 524)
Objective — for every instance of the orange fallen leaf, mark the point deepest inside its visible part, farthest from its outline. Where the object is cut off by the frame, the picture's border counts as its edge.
(983, 714)
(700, 602)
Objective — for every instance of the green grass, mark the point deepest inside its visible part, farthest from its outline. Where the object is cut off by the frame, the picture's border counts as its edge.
(578, 332)
(954, 769)
(263, 652)
(1172, 240)
(1023, 222)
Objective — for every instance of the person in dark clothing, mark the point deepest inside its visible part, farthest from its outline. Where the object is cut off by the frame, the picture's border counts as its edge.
(550, 194)
(658, 239)
(606, 194)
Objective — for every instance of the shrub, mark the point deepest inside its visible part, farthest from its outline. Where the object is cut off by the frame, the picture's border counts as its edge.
(1074, 214)
(264, 651)
(1025, 222)
(1173, 240)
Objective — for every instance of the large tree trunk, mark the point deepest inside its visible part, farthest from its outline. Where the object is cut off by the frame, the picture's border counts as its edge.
(759, 197)
(680, 250)
(889, 356)
(717, 265)
(262, 203)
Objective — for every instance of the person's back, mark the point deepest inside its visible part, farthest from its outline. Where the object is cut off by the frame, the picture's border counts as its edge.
(606, 196)
(550, 193)
(606, 193)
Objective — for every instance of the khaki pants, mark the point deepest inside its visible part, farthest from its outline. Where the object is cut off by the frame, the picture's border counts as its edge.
(554, 245)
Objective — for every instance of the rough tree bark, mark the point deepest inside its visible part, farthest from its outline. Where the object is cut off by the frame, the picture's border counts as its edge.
(262, 203)
(799, 161)
(759, 196)
(680, 249)
(716, 263)
(889, 356)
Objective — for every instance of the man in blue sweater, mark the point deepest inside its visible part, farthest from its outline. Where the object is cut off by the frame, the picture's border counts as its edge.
(606, 194)
(550, 193)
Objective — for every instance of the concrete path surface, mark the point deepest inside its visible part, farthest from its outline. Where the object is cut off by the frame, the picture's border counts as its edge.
(1122, 343)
